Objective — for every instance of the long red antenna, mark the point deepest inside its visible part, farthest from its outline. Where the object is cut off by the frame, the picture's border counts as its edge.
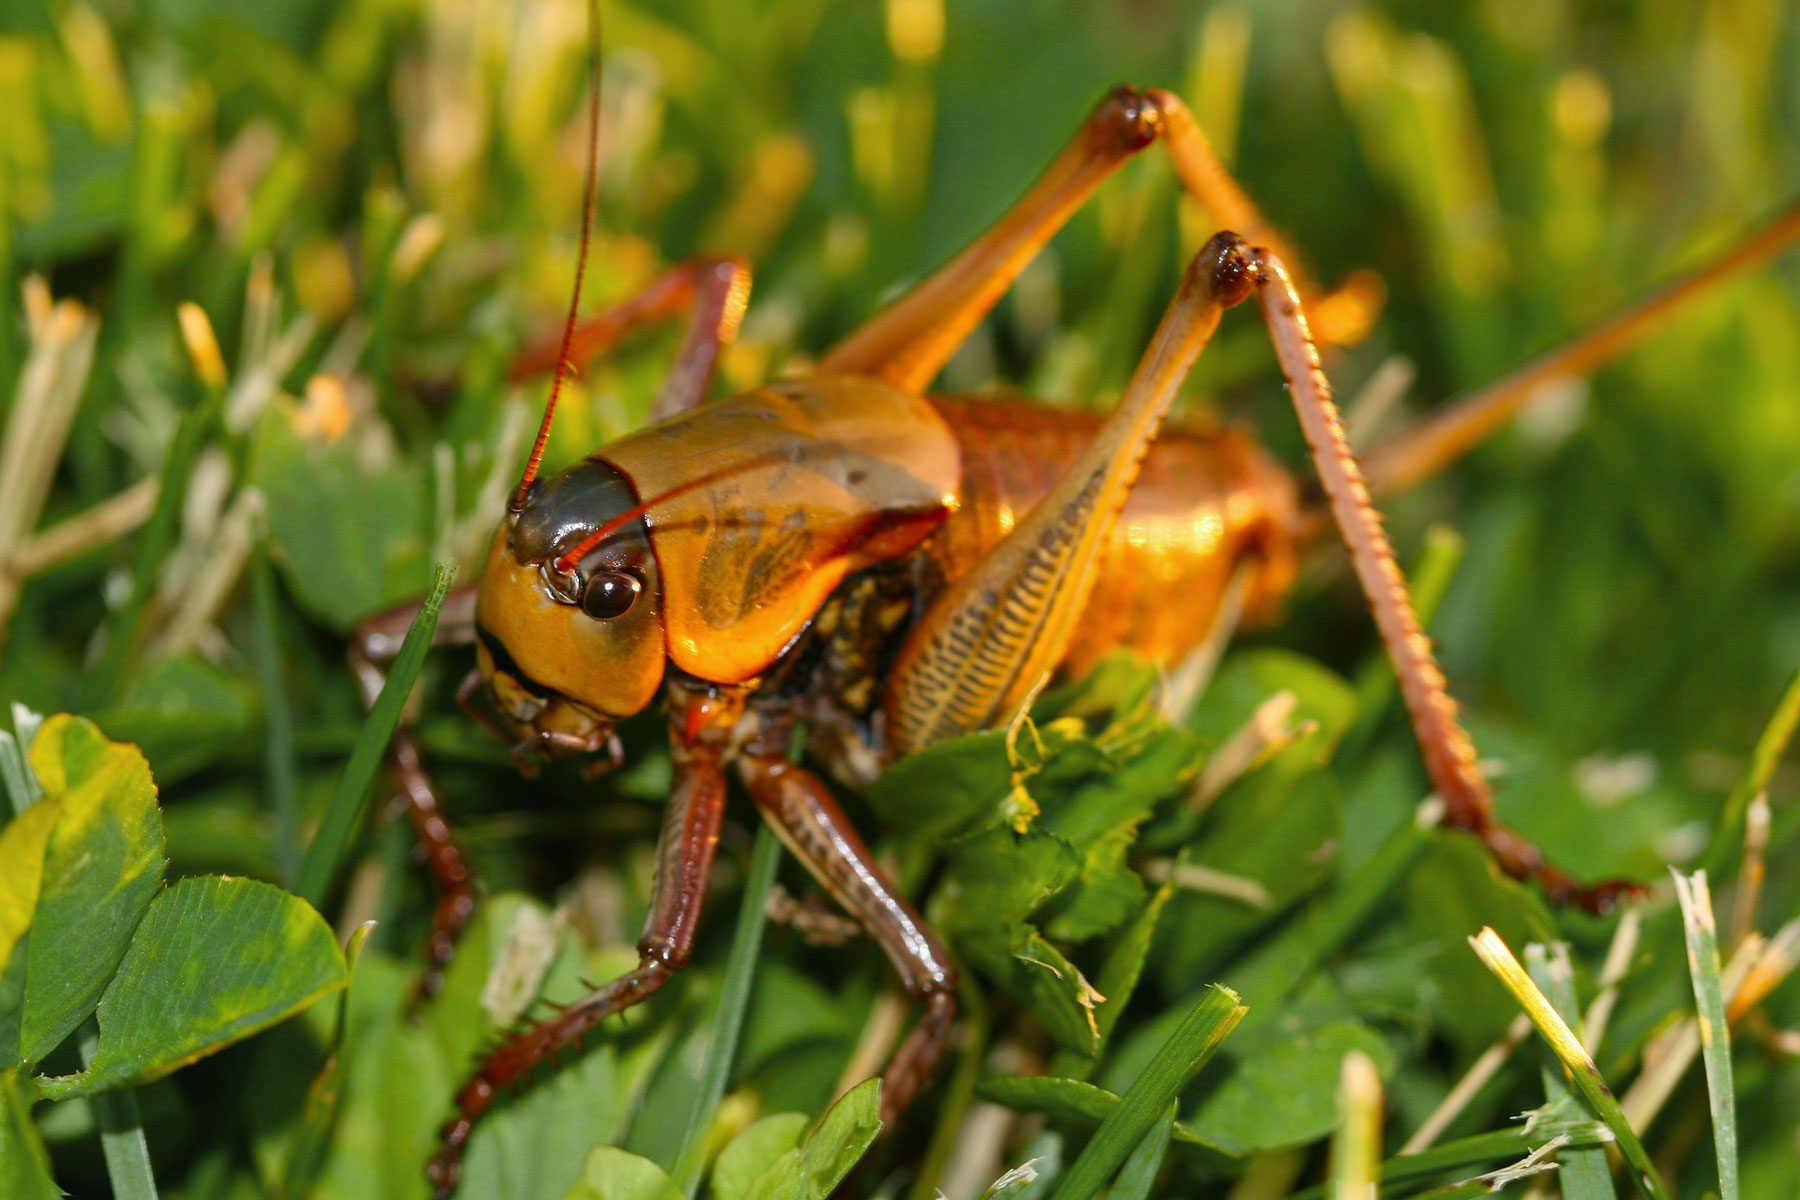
(587, 227)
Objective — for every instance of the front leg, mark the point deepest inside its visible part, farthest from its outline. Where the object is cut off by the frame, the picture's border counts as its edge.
(699, 730)
(809, 822)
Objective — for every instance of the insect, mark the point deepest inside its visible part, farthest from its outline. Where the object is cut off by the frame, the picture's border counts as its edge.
(890, 568)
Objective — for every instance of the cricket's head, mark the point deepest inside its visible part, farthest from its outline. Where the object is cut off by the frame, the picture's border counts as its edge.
(569, 612)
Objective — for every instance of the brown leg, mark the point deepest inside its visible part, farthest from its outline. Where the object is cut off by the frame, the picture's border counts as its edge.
(801, 810)
(376, 642)
(909, 342)
(1448, 751)
(714, 292)
(684, 857)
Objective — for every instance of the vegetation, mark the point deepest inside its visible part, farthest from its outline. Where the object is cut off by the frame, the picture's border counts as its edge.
(262, 270)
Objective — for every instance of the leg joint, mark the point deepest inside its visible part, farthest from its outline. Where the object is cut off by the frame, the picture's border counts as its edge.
(1126, 121)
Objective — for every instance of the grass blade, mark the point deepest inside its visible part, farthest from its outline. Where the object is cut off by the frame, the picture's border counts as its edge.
(164, 525)
(328, 845)
(1715, 1033)
(733, 1003)
(280, 768)
(1728, 835)
(1213, 1016)
(1586, 1175)
(1410, 1171)
(1500, 960)
(122, 1141)
(1138, 1174)
(1356, 1143)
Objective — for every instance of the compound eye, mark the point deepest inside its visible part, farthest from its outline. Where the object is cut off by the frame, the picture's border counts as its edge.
(610, 594)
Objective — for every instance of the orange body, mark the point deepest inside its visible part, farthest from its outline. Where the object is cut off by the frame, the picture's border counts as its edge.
(759, 508)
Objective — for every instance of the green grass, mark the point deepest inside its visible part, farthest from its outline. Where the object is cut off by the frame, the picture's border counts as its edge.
(375, 204)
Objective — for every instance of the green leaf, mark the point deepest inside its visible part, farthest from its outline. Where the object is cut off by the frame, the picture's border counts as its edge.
(183, 713)
(347, 519)
(22, 845)
(1247, 679)
(965, 778)
(1023, 961)
(24, 1167)
(610, 1173)
(1283, 1095)
(752, 1152)
(1124, 964)
(997, 876)
(1276, 831)
(214, 961)
(102, 866)
(1455, 888)
(828, 1151)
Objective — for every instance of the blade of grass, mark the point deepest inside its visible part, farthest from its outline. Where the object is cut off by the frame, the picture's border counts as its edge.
(1672, 1052)
(122, 1141)
(728, 1012)
(1728, 835)
(1356, 1142)
(1500, 960)
(160, 531)
(1585, 1172)
(328, 845)
(1715, 1034)
(1460, 1154)
(280, 767)
(1194, 1041)
(1138, 1174)
(1754, 872)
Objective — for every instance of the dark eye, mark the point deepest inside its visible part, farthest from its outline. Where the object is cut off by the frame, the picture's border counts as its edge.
(610, 594)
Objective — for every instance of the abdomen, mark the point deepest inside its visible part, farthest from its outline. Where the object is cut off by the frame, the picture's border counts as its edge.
(1203, 504)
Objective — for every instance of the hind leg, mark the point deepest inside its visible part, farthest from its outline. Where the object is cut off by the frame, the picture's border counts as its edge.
(909, 342)
(1448, 751)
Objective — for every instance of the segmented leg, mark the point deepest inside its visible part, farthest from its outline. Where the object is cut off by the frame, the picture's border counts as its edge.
(684, 858)
(995, 633)
(714, 291)
(909, 342)
(374, 645)
(1448, 751)
(802, 811)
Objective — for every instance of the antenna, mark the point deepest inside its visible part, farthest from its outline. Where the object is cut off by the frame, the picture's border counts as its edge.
(587, 227)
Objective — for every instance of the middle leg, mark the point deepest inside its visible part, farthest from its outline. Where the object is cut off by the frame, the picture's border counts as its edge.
(809, 822)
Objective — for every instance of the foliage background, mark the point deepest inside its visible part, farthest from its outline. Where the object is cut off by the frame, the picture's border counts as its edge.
(376, 203)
